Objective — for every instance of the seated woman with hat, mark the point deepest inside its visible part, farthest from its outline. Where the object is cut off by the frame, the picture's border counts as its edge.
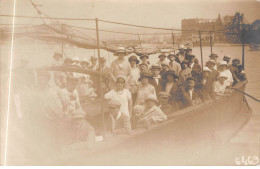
(144, 88)
(219, 86)
(185, 71)
(172, 87)
(122, 95)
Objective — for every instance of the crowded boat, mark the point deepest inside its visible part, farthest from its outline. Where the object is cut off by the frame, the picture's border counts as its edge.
(134, 93)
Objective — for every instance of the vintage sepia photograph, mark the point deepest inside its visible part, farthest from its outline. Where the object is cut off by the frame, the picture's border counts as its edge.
(129, 82)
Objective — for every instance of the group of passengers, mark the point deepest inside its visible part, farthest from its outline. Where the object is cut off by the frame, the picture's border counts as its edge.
(137, 92)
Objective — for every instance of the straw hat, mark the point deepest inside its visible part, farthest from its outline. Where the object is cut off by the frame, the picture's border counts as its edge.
(145, 74)
(120, 50)
(156, 66)
(223, 62)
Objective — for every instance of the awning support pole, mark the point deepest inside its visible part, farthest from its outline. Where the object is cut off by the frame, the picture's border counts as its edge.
(210, 41)
(201, 52)
(243, 46)
(100, 79)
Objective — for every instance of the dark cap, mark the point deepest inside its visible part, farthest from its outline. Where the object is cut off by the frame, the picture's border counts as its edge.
(143, 56)
(172, 73)
(162, 55)
(145, 74)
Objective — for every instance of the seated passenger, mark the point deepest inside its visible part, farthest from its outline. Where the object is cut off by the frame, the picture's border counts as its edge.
(207, 83)
(138, 111)
(143, 67)
(190, 94)
(173, 65)
(83, 134)
(223, 69)
(156, 80)
(162, 58)
(164, 105)
(117, 122)
(145, 59)
(144, 88)
(219, 86)
(172, 87)
(122, 95)
(241, 75)
(185, 72)
(234, 70)
(152, 113)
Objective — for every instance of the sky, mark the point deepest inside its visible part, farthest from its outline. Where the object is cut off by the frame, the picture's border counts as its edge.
(159, 13)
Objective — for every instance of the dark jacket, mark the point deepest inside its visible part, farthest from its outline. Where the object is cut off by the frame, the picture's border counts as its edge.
(185, 96)
(158, 88)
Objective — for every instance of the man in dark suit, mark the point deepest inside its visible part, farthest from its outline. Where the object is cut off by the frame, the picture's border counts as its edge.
(190, 94)
(156, 81)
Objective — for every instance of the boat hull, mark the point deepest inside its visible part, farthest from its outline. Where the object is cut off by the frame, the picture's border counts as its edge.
(186, 136)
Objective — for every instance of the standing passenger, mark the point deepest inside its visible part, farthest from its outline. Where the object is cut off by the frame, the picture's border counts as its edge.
(120, 66)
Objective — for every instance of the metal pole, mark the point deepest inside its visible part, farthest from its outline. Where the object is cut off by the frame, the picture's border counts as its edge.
(172, 38)
(62, 43)
(201, 52)
(210, 41)
(139, 41)
(243, 46)
(100, 79)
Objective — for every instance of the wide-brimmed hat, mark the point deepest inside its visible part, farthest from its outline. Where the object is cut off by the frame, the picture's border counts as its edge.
(162, 55)
(171, 55)
(213, 55)
(144, 56)
(226, 57)
(172, 73)
(152, 98)
(164, 94)
(182, 47)
(143, 64)
(133, 58)
(121, 50)
(145, 74)
(211, 61)
(114, 103)
(155, 66)
(236, 60)
(222, 62)
(191, 78)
